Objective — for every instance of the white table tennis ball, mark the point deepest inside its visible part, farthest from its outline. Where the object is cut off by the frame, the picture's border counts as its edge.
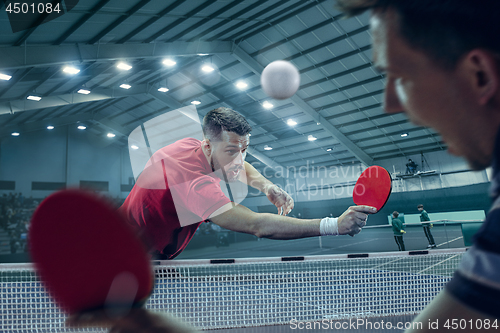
(280, 79)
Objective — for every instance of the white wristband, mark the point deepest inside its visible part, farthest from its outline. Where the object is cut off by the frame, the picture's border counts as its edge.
(329, 226)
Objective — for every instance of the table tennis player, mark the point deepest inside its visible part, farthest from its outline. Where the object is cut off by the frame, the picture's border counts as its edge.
(192, 192)
(441, 60)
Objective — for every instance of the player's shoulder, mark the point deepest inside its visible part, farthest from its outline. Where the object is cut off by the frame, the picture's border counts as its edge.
(178, 146)
(489, 233)
(190, 141)
(475, 282)
(186, 142)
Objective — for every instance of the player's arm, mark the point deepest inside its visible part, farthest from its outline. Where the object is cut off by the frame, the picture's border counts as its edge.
(242, 219)
(443, 307)
(277, 196)
(396, 226)
(426, 216)
(401, 227)
(255, 179)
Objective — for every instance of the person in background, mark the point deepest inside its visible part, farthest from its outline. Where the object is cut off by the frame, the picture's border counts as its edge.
(424, 217)
(411, 167)
(20, 198)
(399, 229)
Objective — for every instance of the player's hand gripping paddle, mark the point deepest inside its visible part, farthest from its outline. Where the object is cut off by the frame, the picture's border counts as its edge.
(373, 187)
(87, 256)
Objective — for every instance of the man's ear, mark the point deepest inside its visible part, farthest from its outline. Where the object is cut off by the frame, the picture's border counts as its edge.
(206, 146)
(484, 72)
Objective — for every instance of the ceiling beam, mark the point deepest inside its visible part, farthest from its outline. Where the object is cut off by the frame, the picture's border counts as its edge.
(265, 24)
(166, 99)
(28, 56)
(66, 99)
(257, 68)
(180, 21)
(113, 126)
(152, 20)
(83, 19)
(118, 21)
(232, 19)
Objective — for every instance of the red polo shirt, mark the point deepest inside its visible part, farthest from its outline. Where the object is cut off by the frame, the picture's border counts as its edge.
(173, 195)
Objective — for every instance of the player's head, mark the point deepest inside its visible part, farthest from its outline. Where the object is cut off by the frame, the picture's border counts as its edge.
(226, 139)
(420, 207)
(442, 64)
(395, 214)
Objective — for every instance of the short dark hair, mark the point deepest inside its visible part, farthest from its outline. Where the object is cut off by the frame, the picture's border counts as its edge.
(395, 214)
(443, 29)
(420, 206)
(224, 119)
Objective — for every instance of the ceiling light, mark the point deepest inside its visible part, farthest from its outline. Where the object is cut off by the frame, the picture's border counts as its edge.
(83, 91)
(124, 66)
(5, 77)
(34, 98)
(196, 102)
(50, 127)
(267, 105)
(404, 135)
(312, 138)
(134, 147)
(242, 85)
(82, 127)
(71, 70)
(329, 149)
(111, 135)
(169, 62)
(207, 69)
(202, 54)
(268, 148)
(15, 133)
(125, 86)
(291, 122)
(163, 89)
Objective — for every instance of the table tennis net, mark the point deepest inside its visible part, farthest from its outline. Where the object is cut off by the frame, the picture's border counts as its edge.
(212, 294)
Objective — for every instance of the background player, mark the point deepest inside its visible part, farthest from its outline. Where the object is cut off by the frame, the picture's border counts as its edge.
(398, 229)
(424, 217)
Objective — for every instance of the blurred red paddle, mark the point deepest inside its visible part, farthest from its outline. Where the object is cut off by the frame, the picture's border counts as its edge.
(86, 254)
(373, 187)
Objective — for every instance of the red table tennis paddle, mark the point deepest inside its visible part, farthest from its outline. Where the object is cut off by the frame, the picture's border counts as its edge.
(86, 254)
(373, 187)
